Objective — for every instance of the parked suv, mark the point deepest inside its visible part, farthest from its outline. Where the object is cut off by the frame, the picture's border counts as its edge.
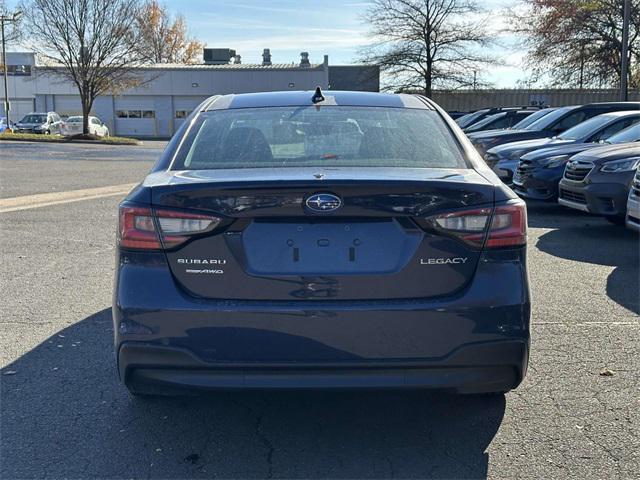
(505, 158)
(47, 123)
(598, 180)
(539, 172)
(336, 240)
(554, 123)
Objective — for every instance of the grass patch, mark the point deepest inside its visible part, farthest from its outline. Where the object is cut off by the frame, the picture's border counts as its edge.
(35, 137)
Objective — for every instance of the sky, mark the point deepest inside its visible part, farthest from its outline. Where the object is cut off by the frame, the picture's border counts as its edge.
(320, 27)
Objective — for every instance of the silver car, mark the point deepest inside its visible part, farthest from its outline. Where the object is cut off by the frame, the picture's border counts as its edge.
(48, 123)
(633, 204)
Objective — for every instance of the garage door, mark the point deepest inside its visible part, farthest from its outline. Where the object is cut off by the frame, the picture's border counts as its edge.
(135, 116)
(67, 105)
(19, 108)
(182, 107)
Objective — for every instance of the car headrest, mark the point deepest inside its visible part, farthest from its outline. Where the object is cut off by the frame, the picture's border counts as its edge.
(245, 144)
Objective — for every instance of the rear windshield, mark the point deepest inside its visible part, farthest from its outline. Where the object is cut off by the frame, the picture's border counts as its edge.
(74, 120)
(327, 136)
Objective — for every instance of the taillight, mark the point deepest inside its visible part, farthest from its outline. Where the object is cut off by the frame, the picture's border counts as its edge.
(503, 226)
(138, 228)
(177, 227)
(508, 226)
(469, 225)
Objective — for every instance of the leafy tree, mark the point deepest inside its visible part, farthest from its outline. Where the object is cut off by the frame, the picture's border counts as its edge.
(579, 42)
(87, 42)
(422, 44)
(163, 39)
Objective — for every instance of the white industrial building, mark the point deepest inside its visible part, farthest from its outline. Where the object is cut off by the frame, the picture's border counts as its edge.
(171, 92)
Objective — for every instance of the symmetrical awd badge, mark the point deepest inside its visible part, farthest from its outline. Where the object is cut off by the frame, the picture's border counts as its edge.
(323, 202)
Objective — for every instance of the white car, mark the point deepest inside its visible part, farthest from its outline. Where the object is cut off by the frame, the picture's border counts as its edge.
(633, 204)
(73, 126)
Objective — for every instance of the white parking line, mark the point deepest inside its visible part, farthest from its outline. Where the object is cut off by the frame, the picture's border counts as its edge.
(27, 202)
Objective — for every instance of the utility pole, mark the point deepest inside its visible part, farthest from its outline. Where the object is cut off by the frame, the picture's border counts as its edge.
(6, 19)
(624, 67)
(581, 67)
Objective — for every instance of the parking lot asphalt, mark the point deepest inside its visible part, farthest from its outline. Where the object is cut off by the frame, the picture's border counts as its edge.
(65, 415)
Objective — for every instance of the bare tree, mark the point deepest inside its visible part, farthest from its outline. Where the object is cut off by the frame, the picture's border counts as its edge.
(11, 29)
(163, 39)
(88, 42)
(421, 44)
(578, 42)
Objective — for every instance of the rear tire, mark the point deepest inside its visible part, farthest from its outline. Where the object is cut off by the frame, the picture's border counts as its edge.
(615, 220)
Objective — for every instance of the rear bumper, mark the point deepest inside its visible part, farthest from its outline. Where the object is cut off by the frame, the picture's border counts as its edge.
(488, 367)
(475, 340)
(607, 199)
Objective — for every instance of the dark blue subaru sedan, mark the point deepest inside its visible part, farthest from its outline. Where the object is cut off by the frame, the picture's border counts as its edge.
(321, 240)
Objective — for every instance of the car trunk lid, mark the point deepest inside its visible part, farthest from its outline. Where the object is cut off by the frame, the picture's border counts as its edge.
(272, 246)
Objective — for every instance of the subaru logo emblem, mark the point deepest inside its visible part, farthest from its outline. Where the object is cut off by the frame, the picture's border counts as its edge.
(323, 202)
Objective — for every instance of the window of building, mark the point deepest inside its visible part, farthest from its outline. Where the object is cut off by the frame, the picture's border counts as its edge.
(182, 113)
(19, 70)
(135, 114)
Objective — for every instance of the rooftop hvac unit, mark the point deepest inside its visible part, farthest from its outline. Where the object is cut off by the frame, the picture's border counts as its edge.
(304, 59)
(218, 56)
(266, 57)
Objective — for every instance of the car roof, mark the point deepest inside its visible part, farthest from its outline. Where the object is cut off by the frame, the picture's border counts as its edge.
(304, 98)
(623, 113)
(612, 104)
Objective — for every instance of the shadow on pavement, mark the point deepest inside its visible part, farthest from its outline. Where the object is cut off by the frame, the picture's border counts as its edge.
(64, 414)
(601, 244)
(552, 215)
